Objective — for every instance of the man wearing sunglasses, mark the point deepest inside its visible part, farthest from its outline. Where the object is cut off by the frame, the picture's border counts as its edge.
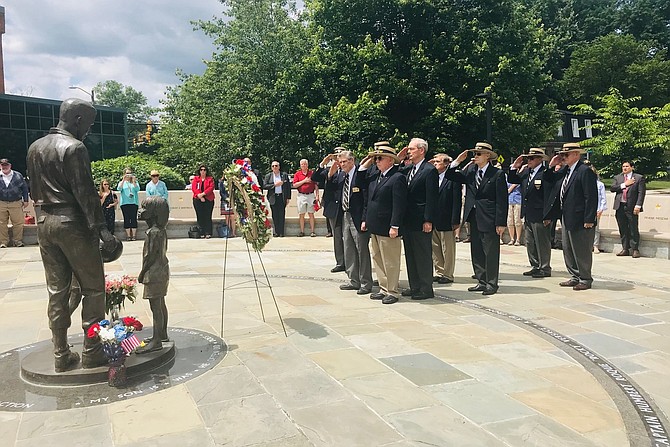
(383, 218)
(485, 209)
(578, 195)
(534, 191)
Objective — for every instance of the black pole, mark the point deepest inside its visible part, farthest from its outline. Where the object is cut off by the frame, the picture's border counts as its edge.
(489, 114)
(489, 117)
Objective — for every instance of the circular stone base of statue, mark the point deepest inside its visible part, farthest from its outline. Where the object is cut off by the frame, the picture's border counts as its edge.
(37, 367)
(190, 354)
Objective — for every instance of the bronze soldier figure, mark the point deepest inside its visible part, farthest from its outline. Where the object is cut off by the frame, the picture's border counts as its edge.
(69, 228)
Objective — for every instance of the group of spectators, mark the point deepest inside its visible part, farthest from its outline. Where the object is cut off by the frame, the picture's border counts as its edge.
(128, 199)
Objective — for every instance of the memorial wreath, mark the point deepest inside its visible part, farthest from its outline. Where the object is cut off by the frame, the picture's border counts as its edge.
(247, 202)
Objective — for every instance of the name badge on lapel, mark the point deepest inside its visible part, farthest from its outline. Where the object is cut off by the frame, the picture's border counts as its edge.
(355, 189)
(537, 183)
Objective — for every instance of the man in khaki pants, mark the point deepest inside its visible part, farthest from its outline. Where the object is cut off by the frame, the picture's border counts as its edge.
(13, 199)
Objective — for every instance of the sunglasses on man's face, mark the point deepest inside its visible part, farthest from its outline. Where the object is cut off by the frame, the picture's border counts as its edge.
(275, 166)
(379, 158)
(156, 175)
(479, 154)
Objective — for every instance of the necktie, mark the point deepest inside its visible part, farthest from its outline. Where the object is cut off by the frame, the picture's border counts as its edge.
(625, 191)
(564, 186)
(479, 178)
(345, 193)
(411, 175)
(379, 179)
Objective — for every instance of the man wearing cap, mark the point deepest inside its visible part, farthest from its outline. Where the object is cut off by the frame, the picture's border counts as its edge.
(578, 195)
(69, 228)
(383, 218)
(13, 199)
(485, 209)
(446, 222)
(630, 189)
(533, 192)
(331, 205)
(156, 187)
(422, 192)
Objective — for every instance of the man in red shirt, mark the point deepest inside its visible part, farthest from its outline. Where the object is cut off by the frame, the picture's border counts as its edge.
(308, 194)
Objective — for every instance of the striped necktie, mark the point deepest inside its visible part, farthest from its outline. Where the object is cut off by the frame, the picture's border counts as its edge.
(564, 185)
(411, 175)
(345, 193)
(479, 178)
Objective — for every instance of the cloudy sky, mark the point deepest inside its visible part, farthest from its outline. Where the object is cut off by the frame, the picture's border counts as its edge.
(52, 44)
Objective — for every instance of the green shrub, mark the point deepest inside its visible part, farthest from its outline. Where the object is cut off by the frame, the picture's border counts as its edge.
(112, 169)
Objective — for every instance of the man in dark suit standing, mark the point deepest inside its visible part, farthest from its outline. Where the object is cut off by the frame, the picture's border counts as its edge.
(350, 185)
(578, 195)
(630, 189)
(331, 206)
(486, 210)
(383, 218)
(278, 189)
(447, 222)
(419, 216)
(533, 191)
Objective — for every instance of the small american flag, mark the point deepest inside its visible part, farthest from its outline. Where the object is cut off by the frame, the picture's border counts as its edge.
(130, 343)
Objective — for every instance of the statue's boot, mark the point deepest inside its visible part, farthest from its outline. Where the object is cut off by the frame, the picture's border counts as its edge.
(64, 358)
(159, 336)
(93, 355)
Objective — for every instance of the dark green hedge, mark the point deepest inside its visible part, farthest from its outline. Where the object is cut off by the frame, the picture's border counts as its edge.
(112, 169)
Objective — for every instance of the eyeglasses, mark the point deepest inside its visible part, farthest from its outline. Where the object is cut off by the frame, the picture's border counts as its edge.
(478, 154)
(156, 175)
(275, 166)
(378, 157)
(203, 169)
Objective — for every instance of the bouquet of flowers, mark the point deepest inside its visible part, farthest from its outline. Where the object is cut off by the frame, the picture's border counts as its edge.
(118, 338)
(117, 290)
(247, 200)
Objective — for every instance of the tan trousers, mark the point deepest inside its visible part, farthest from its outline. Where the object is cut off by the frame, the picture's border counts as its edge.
(444, 253)
(11, 211)
(386, 256)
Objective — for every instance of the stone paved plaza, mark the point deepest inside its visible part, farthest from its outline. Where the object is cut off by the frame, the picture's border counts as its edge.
(534, 365)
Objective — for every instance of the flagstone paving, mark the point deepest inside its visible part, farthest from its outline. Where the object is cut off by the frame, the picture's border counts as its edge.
(353, 372)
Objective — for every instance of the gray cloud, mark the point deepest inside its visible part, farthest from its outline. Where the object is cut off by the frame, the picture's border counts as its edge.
(51, 44)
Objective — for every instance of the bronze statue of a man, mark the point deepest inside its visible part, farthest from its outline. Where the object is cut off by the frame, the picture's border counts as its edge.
(69, 228)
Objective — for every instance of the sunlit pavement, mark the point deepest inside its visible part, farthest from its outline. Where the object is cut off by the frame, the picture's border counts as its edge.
(355, 372)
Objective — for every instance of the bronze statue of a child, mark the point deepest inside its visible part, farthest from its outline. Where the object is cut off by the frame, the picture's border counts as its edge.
(155, 273)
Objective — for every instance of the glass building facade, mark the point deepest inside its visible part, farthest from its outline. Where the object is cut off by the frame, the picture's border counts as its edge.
(24, 119)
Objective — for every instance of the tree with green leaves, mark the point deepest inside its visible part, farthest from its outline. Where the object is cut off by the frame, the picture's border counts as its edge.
(244, 103)
(114, 94)
(625, 132)
(618, 61)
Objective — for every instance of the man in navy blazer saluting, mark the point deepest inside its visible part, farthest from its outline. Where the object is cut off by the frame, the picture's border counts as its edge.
(486, 210)
(578, 195)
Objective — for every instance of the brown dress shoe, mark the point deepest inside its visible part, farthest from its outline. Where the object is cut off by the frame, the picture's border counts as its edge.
(581, 286)
(568, 283)
(623, 253)
(636, 253)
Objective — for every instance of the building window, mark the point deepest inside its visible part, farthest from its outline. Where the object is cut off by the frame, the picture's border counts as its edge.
(575, 127)
(587, 128)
